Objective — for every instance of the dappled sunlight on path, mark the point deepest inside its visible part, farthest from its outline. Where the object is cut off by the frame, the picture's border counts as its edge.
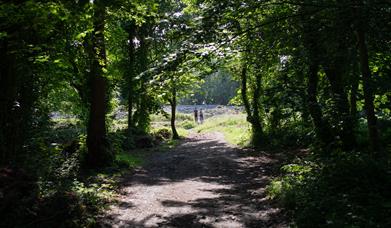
(203, 182)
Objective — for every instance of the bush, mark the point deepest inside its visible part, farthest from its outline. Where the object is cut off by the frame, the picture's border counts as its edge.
(351, 190)
(187, 124)
(144, 141)
(162, 134)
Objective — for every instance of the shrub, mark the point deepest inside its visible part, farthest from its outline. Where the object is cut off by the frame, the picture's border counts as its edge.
(187, 124)
(162, 134)
(350, 190)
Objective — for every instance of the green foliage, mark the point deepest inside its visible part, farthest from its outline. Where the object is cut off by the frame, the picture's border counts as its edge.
(77, 203)
(290, 133)
(128, 159)
(350, 190)
(162, 133)
(217, 88)
(187, 124)
(301, 67)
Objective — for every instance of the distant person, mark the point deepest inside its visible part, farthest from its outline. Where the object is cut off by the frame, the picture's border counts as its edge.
(201, 116)
(196, 115)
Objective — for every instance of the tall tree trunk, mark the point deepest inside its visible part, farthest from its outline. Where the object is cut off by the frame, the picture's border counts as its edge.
(346, 130)
(360, 29)
(258, 135)
(7, 85)
(143, 120)
(173, 104)
(11, 92)
(368, 90)
(131, 74)
(252, 112)
(98, 151)
(353, 93)
(243, 90)
(322, 127)
(335, 66)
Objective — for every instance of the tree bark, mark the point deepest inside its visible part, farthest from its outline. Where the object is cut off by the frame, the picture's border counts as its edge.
(131, 74)
(346, 130)
(368, 91)
(322, 127)
(6, 86)
(243, 90)
(142, 54)
(173, 104)
(252, 111)
(353, 93)
(360, 25)
(98, 152)
(11, 94)
(258, 136)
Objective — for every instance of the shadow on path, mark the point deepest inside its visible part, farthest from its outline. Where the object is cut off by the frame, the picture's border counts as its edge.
(203, 182)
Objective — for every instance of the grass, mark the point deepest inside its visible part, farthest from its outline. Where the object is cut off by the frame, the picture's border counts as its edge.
(179, 117)
(65, 122)
(235, 128)
(184, 123)
(182, 132)
(128, 159)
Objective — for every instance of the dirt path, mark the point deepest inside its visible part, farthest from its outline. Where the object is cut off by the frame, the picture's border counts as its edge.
(203, 182)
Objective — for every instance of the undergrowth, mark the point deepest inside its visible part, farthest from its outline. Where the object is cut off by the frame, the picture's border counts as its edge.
(54, 190)
(349, 190)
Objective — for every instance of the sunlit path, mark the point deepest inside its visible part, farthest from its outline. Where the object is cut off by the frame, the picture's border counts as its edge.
(204, 182)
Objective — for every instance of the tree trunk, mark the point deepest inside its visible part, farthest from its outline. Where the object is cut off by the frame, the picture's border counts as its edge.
(243, 90)
(335, 66)
(322, 128)
(173, 113)
(11, 92)
(142, 54)
(252, 112)
(131, 74)
(368, 91)
(258, 136)
(346, 130)
(98, 152)
(7, 85)
(353, 93)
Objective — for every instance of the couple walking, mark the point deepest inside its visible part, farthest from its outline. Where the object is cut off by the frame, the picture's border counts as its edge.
(199, 114)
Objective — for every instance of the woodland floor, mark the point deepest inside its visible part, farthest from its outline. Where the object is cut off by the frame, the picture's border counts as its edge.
(202, 182)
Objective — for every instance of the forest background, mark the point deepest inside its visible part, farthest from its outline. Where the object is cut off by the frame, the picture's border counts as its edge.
(314, 75)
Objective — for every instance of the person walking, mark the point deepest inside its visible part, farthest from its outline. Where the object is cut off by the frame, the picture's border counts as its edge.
(195, 115)
(201, 116)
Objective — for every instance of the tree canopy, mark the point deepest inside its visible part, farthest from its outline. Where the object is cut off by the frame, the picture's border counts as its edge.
(308, 73)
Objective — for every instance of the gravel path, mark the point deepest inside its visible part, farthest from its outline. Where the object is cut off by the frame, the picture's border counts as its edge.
(203, 182)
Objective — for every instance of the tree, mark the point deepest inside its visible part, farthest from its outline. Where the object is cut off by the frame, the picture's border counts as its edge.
(98, 148)
(360, 27)
(28, 40)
